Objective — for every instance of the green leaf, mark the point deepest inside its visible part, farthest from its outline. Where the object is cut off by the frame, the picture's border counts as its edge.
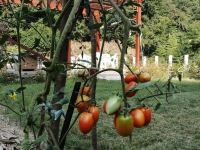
(4, 38)
(105, 12)
(40, 139)
(96, 26)
(46, 63)
(36, 43)
(141, 86)
(60, 67)
(157, 106)
(63, 101)
(26, 144)
(20, 89)
(130, 2)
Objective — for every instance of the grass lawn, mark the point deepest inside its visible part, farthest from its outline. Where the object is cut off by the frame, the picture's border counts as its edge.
(176, 125)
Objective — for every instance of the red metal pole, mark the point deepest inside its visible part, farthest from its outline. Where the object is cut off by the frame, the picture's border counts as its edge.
(97, 33)
(69, 51)
(137, 36)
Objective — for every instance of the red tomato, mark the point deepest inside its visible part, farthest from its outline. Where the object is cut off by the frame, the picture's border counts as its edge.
(138, 118)
(86, 91)
(86, 122)
(130, 77)
(84, 12)
(147, 114)
(124, 125)
(95, 113)
(104, 106)
(129, 87)
(144, 77)
(53, 4)
(59, 6)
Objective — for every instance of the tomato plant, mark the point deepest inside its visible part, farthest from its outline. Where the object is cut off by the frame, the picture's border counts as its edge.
(86, 122)
(138, 117)
(95, 113)
(129, 87)
(124, 124)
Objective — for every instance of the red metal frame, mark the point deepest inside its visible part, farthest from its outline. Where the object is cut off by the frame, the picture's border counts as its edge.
(137, 36)
(69, 51)
(97, 33)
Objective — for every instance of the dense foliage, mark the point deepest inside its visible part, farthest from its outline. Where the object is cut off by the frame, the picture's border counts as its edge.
(171, 27)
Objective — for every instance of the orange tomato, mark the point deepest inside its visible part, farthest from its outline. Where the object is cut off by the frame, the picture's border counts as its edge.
(129, 87)
(59, 6)
(53, 4)
(95, 113)
(86, 122)
(144, 77)
(86, 91)
(130, 77)
(147, 114)
(138, 118)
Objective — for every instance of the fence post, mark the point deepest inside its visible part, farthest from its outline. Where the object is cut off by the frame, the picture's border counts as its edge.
(39, 63)
(134, 60)
(186, 61)
(170, 60)
(144, 61)
(156, 60)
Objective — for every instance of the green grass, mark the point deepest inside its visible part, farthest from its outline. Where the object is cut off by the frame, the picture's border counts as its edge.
(176, 125)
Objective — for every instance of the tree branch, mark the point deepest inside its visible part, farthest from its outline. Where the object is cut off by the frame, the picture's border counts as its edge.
(65, 32)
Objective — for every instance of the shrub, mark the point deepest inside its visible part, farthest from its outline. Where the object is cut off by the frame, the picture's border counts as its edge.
(7, 77)
(39, 76)
(194, 72)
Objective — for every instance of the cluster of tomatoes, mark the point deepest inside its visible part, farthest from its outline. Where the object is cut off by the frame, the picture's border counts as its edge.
(132, 79)
(89, 113)
(125, 121)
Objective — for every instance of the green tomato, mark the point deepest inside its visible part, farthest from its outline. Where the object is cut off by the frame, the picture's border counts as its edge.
(124, 125)
(113, 104)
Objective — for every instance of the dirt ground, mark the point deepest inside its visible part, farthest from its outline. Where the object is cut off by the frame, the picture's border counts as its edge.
(11, 135)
